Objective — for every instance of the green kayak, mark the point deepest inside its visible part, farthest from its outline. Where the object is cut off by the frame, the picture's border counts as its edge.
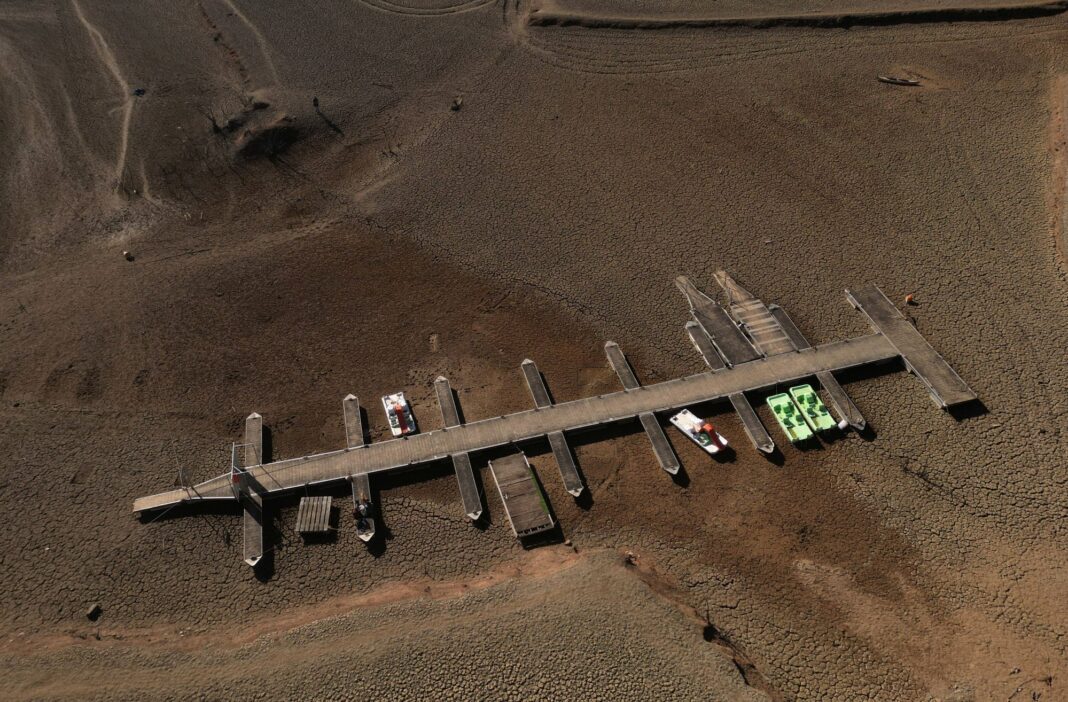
(812, 408)
(789, 417)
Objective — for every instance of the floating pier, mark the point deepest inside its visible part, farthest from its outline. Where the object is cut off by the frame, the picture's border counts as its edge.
(361, 482)
(661, 448)
(729, 379)
(248, 490)
(564, 460)
(524, 503)
(461, 461)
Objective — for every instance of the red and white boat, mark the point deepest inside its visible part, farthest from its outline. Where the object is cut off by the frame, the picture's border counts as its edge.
(700, 431)
(399, 414)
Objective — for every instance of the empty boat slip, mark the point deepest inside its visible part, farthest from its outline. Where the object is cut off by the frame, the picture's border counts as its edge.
(523, 500)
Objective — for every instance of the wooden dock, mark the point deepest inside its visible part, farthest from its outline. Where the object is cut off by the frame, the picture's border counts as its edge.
(665, 456)
(944, 385)
(313, 515)
(251, 479)
(524, 503)
(461, 461)
(840, 401)
(569, 416)
(564, 460)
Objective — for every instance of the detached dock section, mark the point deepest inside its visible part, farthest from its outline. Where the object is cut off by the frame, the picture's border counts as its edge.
(523, 501)
(945, 386)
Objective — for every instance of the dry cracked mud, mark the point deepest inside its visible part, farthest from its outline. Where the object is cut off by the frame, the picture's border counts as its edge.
(310, 211)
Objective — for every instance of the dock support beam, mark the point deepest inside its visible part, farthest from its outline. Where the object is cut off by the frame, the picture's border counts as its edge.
(461, 462)
(251, 500)
(661, 448)
(564, 460)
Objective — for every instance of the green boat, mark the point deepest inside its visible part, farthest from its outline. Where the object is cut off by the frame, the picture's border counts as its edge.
(812, 408)
(789, 417)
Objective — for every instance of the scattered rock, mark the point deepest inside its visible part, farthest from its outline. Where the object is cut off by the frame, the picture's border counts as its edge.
(128, 255)
(457, 103)
(139, 92)
(94, 612)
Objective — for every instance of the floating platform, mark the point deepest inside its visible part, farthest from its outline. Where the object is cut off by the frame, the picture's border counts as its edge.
(754, 428)
(524, 503)
(665, 456)
(561, 452)
(945, 386)
(313, 515)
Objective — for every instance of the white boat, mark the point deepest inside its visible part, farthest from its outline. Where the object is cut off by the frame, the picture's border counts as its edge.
(399, 414)
(699, 431)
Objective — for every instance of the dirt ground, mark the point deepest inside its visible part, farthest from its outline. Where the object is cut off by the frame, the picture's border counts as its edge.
(360, 195)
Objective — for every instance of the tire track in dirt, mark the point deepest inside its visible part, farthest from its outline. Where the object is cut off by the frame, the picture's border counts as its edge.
(257, 36)
(426, 9)
(107, 57)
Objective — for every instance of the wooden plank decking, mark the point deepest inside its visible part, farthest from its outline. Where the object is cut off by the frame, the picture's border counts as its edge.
(524, 503)
(313, 515)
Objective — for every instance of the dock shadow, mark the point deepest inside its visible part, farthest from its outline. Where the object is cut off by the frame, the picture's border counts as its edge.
(267, 452)
(968, 410)
(776, 457)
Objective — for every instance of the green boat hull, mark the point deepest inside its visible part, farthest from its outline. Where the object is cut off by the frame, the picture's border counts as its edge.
(812, 408)
(789, 418)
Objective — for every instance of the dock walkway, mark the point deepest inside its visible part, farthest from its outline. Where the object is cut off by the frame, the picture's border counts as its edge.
(530, 424)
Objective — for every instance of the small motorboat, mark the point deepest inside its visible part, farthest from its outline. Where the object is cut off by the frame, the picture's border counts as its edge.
(894, 80)
(399, 414)
(700, 432)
